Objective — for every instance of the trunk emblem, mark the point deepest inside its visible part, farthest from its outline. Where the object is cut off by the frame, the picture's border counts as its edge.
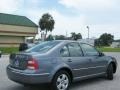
(16, 63)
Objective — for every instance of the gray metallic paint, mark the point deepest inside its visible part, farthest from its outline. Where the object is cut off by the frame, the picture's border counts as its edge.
(51, 62)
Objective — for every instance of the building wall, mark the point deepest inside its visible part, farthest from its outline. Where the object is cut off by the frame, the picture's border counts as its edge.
(17, 30)
(115, 45)
(12, 36)
(9, 45)
(9, 41)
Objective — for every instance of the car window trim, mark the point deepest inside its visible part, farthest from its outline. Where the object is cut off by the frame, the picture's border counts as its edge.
(91, 46)
(78, 45)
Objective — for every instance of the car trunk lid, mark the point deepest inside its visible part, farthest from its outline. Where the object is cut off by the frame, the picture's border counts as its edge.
(19, 61)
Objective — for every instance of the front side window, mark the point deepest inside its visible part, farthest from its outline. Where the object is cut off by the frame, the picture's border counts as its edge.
(74, 49)
(89, 50)
(64, 52)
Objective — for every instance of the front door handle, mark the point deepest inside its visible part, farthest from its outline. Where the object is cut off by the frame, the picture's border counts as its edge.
(90, 60)
(69, 60)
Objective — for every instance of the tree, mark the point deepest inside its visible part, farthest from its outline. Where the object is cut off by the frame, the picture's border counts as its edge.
(106, 39)
(50, 37)
(75, 36)
(97, 43)
(46, 23)
(79, 36)
(60, 37)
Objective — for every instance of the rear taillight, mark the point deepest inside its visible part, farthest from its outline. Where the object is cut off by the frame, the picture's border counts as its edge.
(33, 64)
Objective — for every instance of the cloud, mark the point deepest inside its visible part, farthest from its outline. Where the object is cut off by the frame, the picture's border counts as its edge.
(76, 24)
(97, 30)
(88, 4)
(70, 23)
(10, 6)
(62, 23)
(33, 3)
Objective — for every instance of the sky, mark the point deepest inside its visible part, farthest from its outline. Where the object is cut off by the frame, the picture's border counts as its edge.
(102, 16)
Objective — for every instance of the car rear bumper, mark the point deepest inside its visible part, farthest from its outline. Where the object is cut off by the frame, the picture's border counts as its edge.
(27, 78)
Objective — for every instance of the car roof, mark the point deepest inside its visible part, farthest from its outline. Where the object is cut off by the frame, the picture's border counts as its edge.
(68, 41)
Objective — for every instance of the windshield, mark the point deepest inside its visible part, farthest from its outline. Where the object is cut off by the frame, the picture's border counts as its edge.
(43, 47)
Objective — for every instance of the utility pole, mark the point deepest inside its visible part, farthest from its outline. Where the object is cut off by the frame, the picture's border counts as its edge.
(66, 33)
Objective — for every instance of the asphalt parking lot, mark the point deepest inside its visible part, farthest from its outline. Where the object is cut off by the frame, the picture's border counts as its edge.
(91, 84)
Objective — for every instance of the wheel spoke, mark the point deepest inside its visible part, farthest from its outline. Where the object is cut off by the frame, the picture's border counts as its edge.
(63, 86)
(59, 79)
(59, 86)
(63, 77)
(66, 81)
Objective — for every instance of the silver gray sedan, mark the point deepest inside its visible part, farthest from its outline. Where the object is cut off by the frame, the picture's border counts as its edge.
(59, 63)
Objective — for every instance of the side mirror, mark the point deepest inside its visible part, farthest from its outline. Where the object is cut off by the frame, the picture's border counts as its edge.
(101, 54)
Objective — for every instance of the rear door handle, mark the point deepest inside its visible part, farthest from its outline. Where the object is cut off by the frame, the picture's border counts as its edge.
(69, 60)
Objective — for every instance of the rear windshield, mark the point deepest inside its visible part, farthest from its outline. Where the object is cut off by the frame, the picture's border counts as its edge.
(43, 47)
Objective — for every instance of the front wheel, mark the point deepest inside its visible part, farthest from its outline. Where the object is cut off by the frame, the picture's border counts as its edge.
(61, 81)
(110, 72)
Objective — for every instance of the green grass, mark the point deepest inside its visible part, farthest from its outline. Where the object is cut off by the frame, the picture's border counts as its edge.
(8, 50)
(109, 49)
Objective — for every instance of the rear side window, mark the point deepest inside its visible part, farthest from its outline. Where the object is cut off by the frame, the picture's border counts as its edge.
(64, 52)
(89, 50)
(74, 49)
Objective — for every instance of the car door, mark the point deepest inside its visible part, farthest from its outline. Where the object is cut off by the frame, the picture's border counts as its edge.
(73, 56)
(98, 63)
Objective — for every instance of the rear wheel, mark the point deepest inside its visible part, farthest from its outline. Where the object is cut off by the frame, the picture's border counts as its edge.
(110, 72)
(61, 81)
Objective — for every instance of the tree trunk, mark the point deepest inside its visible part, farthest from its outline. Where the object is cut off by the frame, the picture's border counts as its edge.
(45, 33)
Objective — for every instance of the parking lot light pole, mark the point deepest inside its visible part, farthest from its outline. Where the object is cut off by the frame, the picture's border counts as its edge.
(88, 31)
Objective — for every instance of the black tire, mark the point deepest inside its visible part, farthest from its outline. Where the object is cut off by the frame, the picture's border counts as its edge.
(57, 75)
(110, 72)
(0, 54)
(26, 85)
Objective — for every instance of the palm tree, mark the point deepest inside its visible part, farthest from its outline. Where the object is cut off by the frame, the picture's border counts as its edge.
(46, 23)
